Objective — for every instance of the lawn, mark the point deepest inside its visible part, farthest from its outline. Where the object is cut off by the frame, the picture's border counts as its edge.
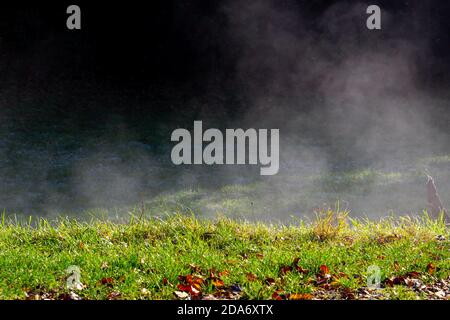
(185, 257)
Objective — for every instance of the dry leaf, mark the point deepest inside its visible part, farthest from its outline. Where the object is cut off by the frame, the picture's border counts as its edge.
(113, 295)
(431, 268)
(300, 296)
(251, 277)
(217, 283)
(224, 273)
(181, 294)
(324, 269)
(277, 295)
(285, 269)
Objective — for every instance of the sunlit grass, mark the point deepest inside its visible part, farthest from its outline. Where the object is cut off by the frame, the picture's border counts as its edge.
(141, 253)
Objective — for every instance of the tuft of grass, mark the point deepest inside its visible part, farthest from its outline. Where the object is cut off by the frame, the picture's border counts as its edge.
(329, 223)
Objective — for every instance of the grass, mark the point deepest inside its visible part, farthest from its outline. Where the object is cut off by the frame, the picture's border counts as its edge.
(144, 258)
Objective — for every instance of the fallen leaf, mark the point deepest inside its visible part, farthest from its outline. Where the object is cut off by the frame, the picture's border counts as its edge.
(413, 274)
(324, 269)
(347, 294)
(189, 289)
(269, 281)
(181, 294)
(251, 277)
(70, 296)
(224, 273)
(107, 282)
(300, 296)
(277, 296)
(184, 287)
(340, 275)
(431, 268)
(301, 270)
(285, 269)
(218, 283)
(113, 295)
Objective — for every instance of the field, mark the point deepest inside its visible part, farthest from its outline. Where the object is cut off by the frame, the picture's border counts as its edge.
(184, 257)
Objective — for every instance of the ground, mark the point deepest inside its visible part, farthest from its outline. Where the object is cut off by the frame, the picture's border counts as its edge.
(184, 257)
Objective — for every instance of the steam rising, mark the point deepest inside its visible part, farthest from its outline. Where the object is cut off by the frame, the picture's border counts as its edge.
(358, 123)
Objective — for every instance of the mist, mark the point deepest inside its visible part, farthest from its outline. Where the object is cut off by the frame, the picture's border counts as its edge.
(361, 115)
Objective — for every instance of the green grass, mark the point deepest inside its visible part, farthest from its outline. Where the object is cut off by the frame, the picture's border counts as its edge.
(143, 259)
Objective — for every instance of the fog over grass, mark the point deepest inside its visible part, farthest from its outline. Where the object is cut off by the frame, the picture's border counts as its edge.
(357, 125)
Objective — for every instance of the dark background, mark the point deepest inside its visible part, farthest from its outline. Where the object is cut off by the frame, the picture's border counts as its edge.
(149, 59)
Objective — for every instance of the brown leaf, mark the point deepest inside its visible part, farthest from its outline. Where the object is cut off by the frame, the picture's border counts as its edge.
(218, 283)
(413, 274)
(107, 282)
(69, 296)
(191, 279)
(260, 255)
(324, 269)
(395, 281)
(396, 265)
(269, 281)
(340, 275)
(277, 296)
(184, 287)
(300, 296)
(301, 270)
(431, 268)
(251, 277)
(285, 269)
(165, 281)
(347, 294)
(113, 295)
(224, 273)
(189, 289)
